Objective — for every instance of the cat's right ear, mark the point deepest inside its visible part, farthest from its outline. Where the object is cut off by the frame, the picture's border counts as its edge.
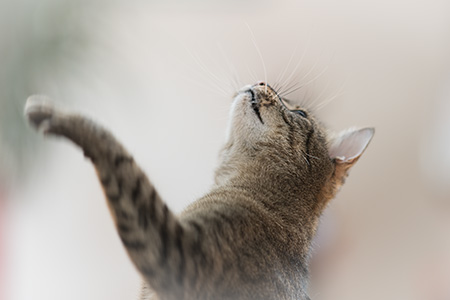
(348, 146)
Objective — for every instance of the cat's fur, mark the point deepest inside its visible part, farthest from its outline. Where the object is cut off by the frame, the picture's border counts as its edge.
(250, 236)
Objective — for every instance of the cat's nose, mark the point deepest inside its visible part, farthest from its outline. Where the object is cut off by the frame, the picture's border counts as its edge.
(262, 83)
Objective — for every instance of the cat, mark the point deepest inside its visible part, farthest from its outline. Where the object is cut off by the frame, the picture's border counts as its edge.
(250, 236)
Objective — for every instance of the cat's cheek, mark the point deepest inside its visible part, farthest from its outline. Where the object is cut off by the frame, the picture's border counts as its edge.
(230, 123)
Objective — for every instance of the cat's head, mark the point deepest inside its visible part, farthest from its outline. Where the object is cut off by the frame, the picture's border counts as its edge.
(264, 128)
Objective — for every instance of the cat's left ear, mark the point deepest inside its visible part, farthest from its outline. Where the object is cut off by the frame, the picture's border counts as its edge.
(346, 148)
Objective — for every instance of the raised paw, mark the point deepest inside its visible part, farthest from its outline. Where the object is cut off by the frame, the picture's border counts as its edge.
(39, 111)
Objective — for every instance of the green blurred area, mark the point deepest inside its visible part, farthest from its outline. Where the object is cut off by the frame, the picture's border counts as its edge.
(41, 42)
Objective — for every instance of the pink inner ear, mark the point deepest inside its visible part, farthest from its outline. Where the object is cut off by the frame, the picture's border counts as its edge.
(350, 144)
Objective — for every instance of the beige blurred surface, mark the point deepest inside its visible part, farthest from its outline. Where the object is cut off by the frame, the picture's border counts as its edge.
(160, 75)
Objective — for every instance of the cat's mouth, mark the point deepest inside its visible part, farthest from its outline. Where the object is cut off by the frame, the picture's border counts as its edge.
(255, 104)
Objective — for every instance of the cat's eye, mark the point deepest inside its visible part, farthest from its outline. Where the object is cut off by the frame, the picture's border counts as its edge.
(300, 112)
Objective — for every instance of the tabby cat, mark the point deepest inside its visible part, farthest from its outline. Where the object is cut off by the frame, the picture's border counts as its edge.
(250, 236)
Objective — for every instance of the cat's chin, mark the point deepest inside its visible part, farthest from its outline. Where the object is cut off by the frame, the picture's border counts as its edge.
(244, 115)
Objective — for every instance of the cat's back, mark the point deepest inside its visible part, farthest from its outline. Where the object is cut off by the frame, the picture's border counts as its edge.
(239, 251)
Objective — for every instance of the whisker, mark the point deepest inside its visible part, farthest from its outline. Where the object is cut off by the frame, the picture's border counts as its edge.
(280, 76)
(296, 83)
(321, 93)
(252, 74)
(277, 87)
(228, 82)
(307, 95)
(217, 91)
(295, 87)
(234, 74)
(259, 53)
(291, 89)
(319, 107)
(310, 70)
(308, 82)
(321, 73)
(328, 101)
(211, 86)
(316, 77)
(216, 81)
(300, 61)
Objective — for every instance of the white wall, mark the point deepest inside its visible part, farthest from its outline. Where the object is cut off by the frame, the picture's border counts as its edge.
(146, 75)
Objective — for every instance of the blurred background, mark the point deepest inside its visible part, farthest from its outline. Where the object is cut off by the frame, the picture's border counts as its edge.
(161, 75)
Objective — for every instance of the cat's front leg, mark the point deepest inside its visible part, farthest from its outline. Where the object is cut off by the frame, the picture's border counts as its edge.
(154, 238)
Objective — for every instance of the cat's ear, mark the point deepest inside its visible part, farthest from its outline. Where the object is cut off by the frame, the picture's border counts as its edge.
(348, 146)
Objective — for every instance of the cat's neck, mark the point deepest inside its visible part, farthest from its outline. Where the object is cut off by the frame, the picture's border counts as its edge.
(294, 209)
(276, 181)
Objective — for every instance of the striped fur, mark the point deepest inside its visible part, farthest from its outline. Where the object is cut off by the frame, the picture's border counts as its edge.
(249, 237)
